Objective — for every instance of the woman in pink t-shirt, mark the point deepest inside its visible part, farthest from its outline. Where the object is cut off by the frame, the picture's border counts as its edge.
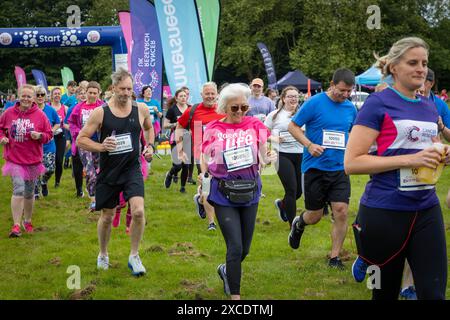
(232, 151)
(24, 129)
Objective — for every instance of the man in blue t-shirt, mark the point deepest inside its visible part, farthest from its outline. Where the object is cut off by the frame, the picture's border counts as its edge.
(328, 118)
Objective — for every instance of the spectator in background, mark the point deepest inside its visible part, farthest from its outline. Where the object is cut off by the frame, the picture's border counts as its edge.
(260, 105)
(11, 102)
(272, 94)
(444, 95)
(69, 99)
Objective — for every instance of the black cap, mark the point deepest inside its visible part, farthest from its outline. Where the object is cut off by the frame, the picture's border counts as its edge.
(430, 75)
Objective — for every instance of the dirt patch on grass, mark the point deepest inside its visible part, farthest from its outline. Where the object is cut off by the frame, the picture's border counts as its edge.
(185, 249)
(85, 293)
(55, 261)
(154, 248)
(198, 289)
(41, 229)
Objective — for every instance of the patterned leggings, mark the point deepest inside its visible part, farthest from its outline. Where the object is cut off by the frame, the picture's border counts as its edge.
(90, 164)
(49, 163)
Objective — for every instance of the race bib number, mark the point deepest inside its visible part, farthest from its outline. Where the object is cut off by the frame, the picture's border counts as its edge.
(287, 137)
(124, 144)
(84, 118)
(333, 139)
(409, 180)
(238, 158)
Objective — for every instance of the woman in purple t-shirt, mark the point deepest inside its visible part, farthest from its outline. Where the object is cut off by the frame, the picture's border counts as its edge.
(232, 151)
(399, 215)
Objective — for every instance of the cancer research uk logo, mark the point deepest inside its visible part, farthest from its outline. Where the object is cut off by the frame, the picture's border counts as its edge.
(5, 39)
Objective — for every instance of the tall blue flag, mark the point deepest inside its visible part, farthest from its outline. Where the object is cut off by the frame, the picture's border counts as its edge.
(40, 78)
(146, 58)
(268, 63)
(184, 56)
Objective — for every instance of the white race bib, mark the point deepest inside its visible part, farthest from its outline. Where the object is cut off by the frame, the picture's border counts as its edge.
(287, 137)
(124, 144)
(409, 180)
(333, 139)
(238, 158)
(84, 118)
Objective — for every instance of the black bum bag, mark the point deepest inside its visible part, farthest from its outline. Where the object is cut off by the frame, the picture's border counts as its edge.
(238, 191)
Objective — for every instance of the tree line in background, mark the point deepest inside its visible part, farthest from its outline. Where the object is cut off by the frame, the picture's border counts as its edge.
(315, 36)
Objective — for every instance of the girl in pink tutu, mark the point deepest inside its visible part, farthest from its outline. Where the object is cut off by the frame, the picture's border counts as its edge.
(24, 129)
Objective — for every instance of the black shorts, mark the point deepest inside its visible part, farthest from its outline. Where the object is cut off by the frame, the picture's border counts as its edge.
(107, 195)
(321, 187)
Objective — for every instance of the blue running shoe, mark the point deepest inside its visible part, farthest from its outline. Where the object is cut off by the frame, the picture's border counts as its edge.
(359, 269)
(408, 293)
(200, 208)
(221, 270)
(281, 212)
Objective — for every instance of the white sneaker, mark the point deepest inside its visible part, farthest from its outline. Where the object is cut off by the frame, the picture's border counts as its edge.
(135, 265)
(102, 262)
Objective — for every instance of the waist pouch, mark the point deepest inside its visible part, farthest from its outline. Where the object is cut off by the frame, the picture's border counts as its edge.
(238, 191)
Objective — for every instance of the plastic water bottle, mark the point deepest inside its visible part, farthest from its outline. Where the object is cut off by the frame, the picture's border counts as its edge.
(206, 184)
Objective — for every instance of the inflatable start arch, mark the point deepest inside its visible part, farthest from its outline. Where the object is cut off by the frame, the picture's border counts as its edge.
(68, 38)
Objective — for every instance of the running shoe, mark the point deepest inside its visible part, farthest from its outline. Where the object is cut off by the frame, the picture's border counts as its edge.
(175, 179)
(336, 263)
(44, 190)
(27, 226)
(296, 234)
(408, 293)
(183, 190)
(359, 269)
(222, 271)
(116, 219)
(281, 213)
(102, 262)
(168, 180)
(15, 231)
(135, 265)
(212, 227)
(56, 185)
(191, 181)
(92, 206)
(127, 230)
(80, 194)
(200, 208)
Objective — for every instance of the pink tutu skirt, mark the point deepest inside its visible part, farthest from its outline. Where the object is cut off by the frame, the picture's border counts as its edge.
(26, 172)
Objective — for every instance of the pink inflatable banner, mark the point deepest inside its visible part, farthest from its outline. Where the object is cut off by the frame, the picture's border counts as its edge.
(167, 92)
(21, 78)
(125, 23)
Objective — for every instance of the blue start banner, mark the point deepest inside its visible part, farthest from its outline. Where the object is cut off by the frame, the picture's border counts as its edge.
(184, 57)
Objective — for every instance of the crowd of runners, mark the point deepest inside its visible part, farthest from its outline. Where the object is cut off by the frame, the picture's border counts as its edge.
(230, 137)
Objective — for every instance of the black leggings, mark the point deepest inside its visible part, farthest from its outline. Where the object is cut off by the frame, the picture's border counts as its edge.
(289, 171)
(184, 168)
(237, 225)
(382, 235)
(77, 171)
(60, 141)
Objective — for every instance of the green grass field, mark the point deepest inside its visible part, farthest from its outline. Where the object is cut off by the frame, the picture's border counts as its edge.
(179, 253)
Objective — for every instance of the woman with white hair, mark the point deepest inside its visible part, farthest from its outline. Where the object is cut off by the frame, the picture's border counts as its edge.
(232, 150)
(399, 215)
(24, 128)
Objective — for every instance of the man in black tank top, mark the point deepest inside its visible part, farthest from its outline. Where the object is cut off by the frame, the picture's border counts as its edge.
(119, 124)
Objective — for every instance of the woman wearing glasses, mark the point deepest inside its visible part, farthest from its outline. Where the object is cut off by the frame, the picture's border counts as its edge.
(24, 128)
(290, 153)
(232, 150)
(49, 148)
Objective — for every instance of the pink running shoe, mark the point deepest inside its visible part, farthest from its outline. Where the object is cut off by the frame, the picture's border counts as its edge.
(27, 226)
(15, 231)
(127, 230)
(116, 219)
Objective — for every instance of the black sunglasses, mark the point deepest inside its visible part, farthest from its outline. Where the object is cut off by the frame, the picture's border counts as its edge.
(41, 94)
(243, 108)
